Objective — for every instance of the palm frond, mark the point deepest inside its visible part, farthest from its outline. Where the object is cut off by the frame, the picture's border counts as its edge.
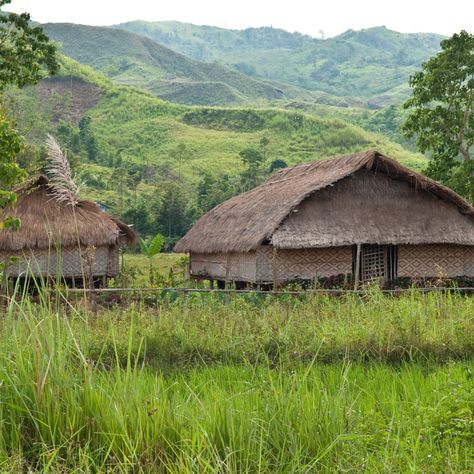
(59, 173)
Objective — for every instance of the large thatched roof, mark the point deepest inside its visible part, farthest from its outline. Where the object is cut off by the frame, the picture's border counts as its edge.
(45, 222)
(244, 222)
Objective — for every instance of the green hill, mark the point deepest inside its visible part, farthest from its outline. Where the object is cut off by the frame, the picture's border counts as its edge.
(210, 43)
(135, 152)
(371, 63)
(130, 59)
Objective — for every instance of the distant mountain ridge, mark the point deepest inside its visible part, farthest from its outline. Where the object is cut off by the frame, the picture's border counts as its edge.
(209, 43)
(128, 58)
(373, 63)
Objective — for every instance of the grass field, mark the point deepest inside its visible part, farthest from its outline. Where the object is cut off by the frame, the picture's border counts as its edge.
(256, 384)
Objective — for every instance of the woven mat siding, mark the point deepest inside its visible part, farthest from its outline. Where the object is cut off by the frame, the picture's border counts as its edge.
(241, 266)
(68, 263)
(419, 261)
(373, 208)
(304, 264)
(113, 261)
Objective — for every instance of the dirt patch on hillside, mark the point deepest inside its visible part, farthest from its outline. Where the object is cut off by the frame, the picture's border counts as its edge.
(68, 98)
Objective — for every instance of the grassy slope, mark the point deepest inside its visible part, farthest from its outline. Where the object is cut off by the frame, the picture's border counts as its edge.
(135, 60)
(147, 130)
(370, 63)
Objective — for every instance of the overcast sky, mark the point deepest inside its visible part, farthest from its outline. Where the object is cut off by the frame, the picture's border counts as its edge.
(307, 16)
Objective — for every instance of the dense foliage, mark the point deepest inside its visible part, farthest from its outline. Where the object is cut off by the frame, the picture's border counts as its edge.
(10, 171)
(442, 115)
(24, 52)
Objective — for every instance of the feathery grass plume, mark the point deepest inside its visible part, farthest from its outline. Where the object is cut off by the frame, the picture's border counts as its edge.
(59, 172)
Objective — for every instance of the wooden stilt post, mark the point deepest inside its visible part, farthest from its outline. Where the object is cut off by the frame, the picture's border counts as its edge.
(226, 281)
(275, 276)
(187, 273)
(357, 267)
(90, 257)
(211, 283)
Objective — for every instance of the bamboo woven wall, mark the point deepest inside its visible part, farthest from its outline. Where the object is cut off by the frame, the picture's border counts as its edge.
(239, 266)
(414, 261)
(421, 261)
(303, 264)
(67, 262)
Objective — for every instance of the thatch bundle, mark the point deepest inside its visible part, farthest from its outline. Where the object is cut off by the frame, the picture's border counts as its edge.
(47, 222)
(244, 222)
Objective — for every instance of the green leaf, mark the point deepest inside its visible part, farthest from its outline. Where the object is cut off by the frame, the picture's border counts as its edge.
(156, 244)
(143, 247)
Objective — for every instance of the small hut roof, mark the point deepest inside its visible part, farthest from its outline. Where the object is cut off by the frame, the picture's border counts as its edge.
(244, 222)
(45, 222)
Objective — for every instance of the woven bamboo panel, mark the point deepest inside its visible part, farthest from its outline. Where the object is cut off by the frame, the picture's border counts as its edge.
(66, 262)
(421, 261)
(239, 266)
(303, 264)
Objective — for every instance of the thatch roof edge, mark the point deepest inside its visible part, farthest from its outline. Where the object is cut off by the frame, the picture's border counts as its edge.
(202, 237)
(40, 213)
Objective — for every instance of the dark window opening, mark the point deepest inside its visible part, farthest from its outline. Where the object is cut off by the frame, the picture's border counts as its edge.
(377, 262)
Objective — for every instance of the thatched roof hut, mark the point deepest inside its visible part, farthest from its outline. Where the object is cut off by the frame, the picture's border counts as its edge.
(331, 207)
(54, 235)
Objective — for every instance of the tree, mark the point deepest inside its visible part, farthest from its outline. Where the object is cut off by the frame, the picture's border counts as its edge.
(173, 211)
(24, 52)
(254, 171)
(442, 113)
(10, 172)
(277, 165)
(138, 214)
(212, 190)
(150, 250)
(179, 154)
(87, 139)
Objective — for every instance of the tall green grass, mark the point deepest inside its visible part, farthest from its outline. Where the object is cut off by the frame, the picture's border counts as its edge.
(197, 385)
(200, 328)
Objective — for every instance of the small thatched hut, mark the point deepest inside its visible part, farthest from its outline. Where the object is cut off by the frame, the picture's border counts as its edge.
(362, 216)
(57, 239)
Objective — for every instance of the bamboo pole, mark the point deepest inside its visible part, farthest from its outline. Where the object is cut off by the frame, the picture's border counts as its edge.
(357, 267)
(280, 292)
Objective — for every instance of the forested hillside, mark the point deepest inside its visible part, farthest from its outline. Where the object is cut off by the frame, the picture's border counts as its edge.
(136, 60)
(374, 63)
(161, 165)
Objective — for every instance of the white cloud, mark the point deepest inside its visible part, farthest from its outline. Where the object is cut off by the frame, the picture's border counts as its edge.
(331, 16)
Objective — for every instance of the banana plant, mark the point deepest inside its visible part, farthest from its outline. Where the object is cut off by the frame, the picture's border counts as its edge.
(150, 250)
